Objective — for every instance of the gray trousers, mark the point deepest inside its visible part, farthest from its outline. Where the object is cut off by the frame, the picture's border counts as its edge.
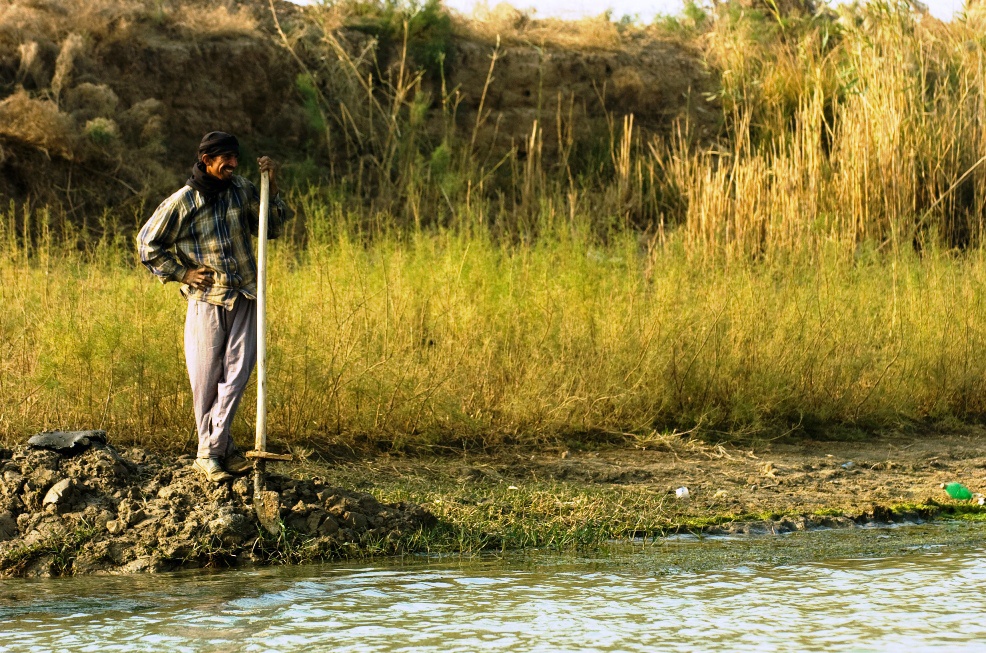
(220, 352)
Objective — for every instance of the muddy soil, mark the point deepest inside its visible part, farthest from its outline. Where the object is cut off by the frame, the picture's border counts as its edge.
(807, 477)
(101, 511)
(771, 487)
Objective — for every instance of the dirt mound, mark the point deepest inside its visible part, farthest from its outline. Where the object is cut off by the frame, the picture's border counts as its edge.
(573, 79)
(103, 512)
(102, 102)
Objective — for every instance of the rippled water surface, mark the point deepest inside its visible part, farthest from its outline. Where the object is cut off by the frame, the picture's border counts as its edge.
(767, 594)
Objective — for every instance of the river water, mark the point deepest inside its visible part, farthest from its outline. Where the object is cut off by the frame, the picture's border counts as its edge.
(919, 588)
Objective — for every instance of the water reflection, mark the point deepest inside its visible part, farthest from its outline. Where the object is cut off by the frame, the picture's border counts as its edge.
(674, 596)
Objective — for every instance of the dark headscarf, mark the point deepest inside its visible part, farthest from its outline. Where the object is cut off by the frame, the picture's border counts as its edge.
(213, 144)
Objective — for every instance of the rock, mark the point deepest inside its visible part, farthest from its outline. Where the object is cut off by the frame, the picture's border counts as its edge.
(67, 441)
(229, 526)
(103, 519)
(13, 480)
(114, 527)
(8, 527)
(142, 564)
(329, 526)
(242, 488)
(314, 520)
(150, 521)
(58, 492)
(42, 479)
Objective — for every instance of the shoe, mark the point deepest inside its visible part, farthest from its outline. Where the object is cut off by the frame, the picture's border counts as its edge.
(211, 469)
(236, 463)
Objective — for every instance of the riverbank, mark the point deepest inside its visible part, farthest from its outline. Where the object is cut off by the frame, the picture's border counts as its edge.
(556, 497)
(100, 511)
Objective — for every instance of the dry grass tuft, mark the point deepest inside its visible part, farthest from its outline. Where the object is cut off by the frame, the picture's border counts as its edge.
(37, 123)
(73, 47)
(512, 26)
(213, 21)
(87, 101)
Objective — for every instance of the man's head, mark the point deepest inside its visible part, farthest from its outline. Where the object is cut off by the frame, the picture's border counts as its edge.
(219, 152)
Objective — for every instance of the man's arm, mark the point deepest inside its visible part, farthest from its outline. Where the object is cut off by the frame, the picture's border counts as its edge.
(157, 238)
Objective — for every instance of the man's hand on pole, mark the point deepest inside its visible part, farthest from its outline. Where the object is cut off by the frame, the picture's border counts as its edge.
(269, 166)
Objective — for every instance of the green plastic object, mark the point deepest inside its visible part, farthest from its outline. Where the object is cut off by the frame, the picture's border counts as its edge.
(957, 491)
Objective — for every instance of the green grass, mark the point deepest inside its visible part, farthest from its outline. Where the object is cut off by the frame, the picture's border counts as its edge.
(451, 339)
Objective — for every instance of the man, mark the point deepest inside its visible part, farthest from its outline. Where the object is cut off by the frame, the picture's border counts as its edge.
(200, 237)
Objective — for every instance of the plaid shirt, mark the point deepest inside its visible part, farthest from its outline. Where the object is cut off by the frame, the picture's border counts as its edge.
(187, 232)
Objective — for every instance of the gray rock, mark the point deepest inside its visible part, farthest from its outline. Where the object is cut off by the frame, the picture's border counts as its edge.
(67, 441)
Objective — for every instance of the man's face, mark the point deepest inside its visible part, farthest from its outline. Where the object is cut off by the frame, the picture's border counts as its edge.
(221, 166)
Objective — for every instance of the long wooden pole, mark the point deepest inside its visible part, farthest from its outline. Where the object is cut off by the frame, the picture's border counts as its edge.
(267, 504)
(261, 443)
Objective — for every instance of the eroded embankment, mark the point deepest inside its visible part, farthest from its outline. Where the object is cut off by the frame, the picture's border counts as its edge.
(100, 511)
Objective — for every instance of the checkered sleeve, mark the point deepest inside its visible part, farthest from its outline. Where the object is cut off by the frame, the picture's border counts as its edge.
(156, 240)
